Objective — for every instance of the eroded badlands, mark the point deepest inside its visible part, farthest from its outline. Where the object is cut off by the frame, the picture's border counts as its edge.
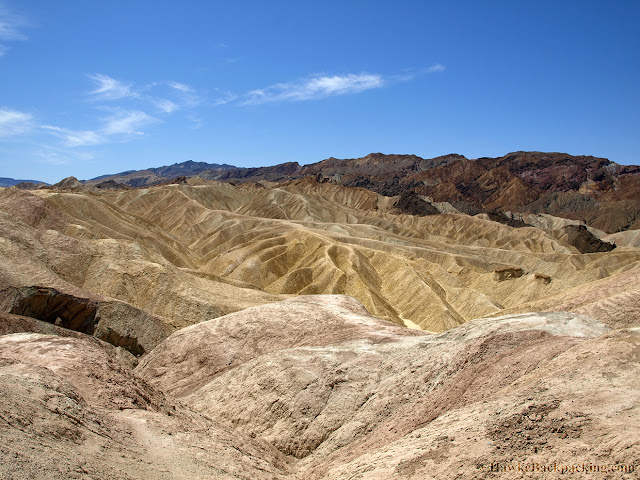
(210, 330)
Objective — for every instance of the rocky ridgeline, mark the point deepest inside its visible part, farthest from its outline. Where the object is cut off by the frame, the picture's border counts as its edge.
(596, 191)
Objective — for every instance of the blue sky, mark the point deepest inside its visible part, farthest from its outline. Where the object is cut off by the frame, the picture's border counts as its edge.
(95, 87)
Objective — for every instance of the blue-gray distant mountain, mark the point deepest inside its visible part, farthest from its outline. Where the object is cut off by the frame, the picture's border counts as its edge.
(152, 176)
(10, 182)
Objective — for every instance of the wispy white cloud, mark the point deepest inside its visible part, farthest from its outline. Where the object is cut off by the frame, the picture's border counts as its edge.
(54, 155)
(13, 122)
(318, 87)
(185, 95)
(75, 138)
(11, 26)
(435, 68)
(53, 158)
(180, 94)
(121, 126)
(181, 87)
(126, 123)
(164, 105)
(196, 122)
(128, 107)
(315, 87)
(225, 97)
(413, 73)
(111, 89)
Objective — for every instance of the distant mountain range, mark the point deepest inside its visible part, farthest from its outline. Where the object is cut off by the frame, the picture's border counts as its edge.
(10, 182)
(151, 176)
(595, 190)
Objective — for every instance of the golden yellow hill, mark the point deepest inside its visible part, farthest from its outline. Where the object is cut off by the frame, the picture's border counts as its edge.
(188, 253)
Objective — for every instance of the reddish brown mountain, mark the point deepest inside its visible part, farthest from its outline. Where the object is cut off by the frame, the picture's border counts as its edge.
(594, 190)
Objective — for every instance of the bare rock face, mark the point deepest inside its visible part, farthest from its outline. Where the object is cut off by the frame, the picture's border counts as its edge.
(507, 273)
(69, 409)
(104, 381)
(541, 277)
(314, 387)
(412, 204)
(29, 185)
(10, 323)
(324, 402)
(614, 300)
(110, 320)
(581, 238)
(111, 185)
(210, 348)
(69, 183)
(52, 306)
(348, 400)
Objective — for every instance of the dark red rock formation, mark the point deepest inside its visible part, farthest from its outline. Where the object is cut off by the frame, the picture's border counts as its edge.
(595, 190)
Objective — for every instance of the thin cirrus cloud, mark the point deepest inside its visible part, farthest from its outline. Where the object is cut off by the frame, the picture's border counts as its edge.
(319, 87)
(164, 105)
(315, 88)
(434, 68)
(125, 123)
(109, 89)
(224, 97)
(11, 25)
(413, 73)
(53, 158)
(57, 157)
(186, 95)
(75, 138)
(134, 102)
(181, 87)
(14, 122)
(118, 127)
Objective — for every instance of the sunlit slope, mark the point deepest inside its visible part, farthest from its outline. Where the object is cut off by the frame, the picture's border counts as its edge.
(310, 238)
(193, 252)
(322, 381)
(614, 300)
(81, 242)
